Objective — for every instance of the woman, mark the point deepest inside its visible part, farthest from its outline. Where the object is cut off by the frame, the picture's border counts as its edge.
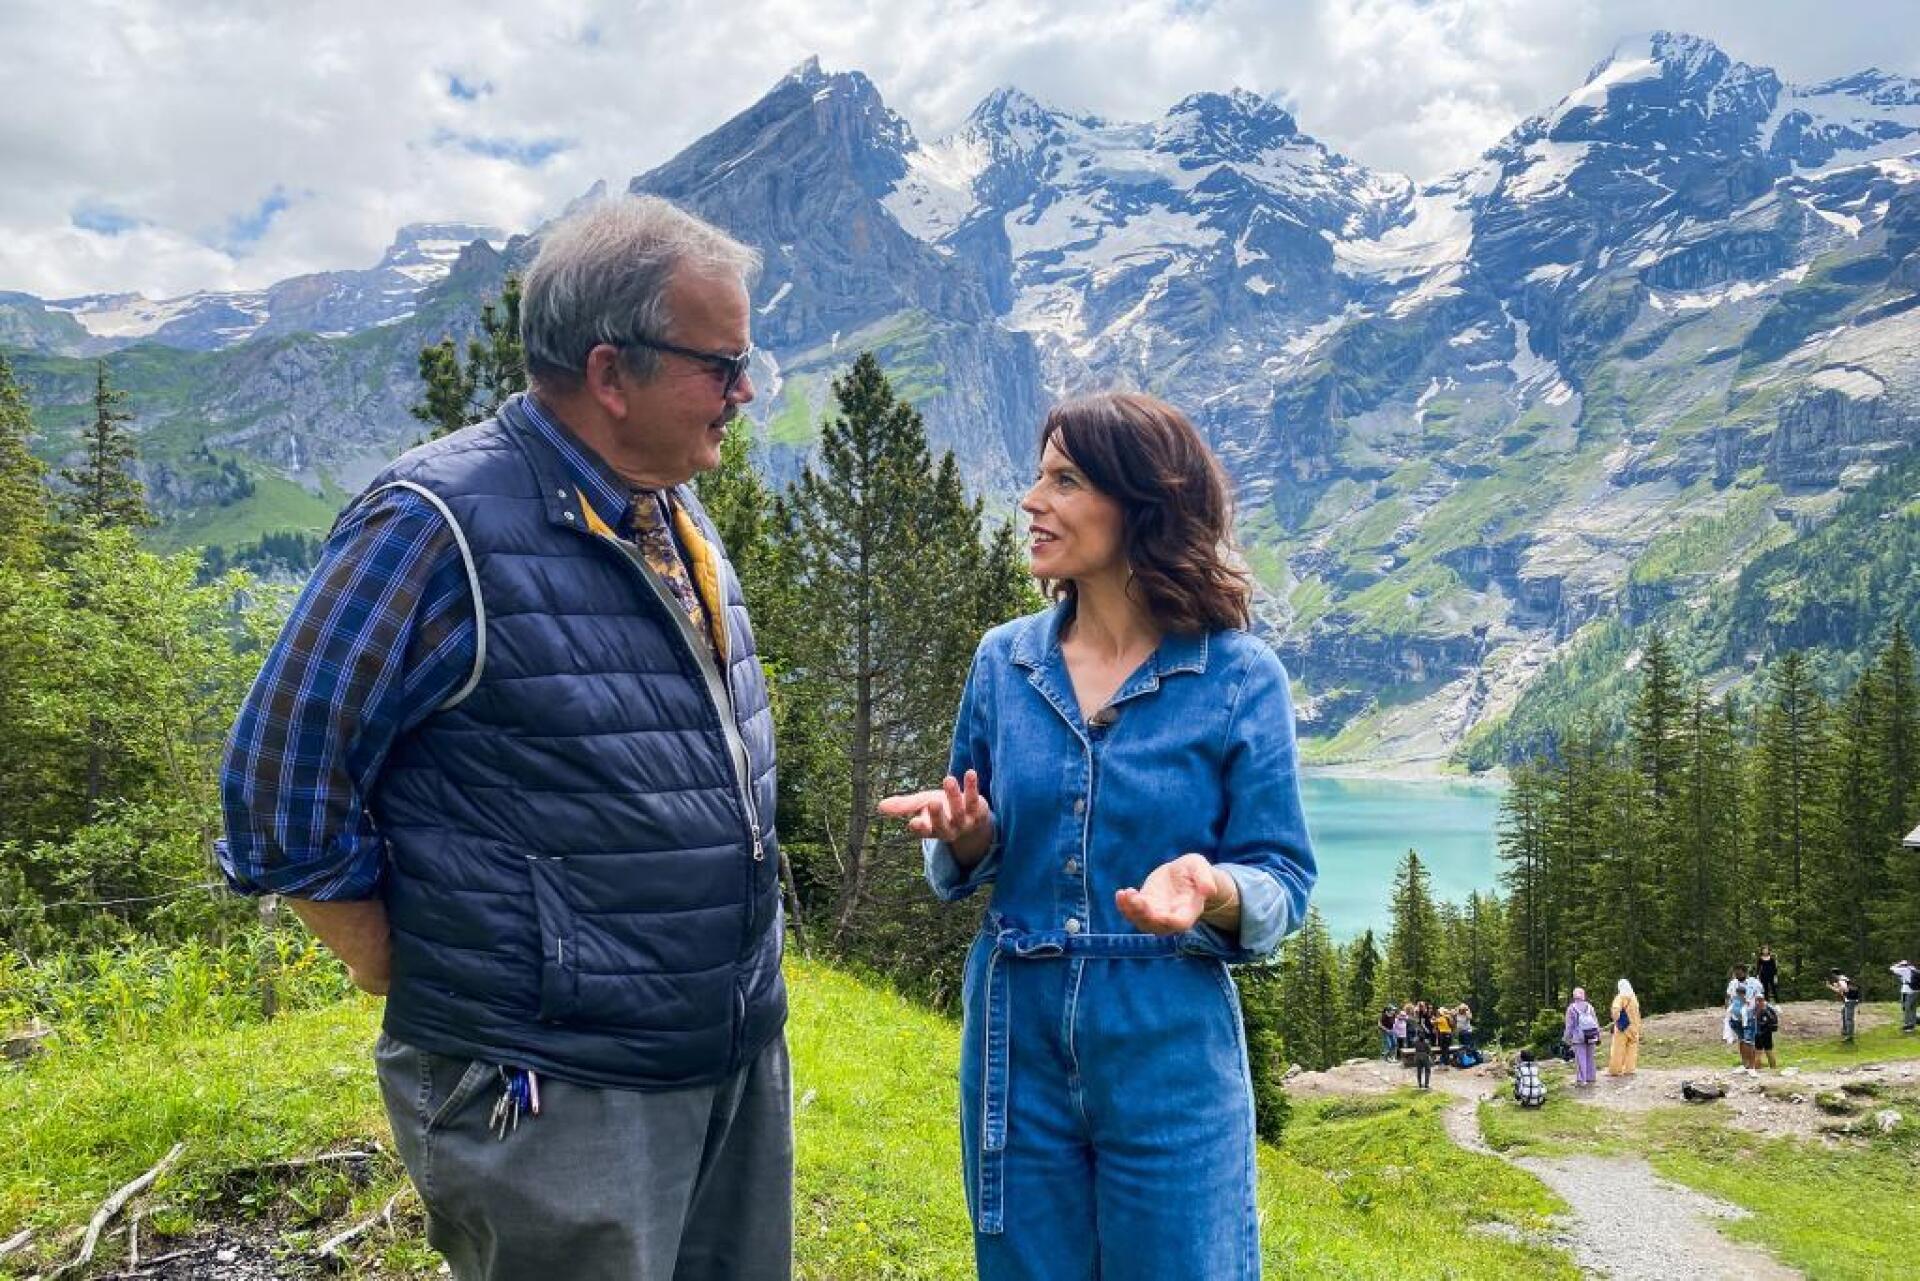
(1583, 1034)
(1624, 1054)
(1422, 1058)
(1123, 774)
(1463, 1026)
(1768, 972)
(1443, 1032)
(1389, 1039)
(1402, 1028)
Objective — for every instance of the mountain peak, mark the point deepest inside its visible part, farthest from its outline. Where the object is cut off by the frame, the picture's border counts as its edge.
(434, 245)
(807, 72)
(1240, 105)
(1009, 105)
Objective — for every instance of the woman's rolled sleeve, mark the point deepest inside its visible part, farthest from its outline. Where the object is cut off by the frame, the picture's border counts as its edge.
(1264, 845)
(949, 879)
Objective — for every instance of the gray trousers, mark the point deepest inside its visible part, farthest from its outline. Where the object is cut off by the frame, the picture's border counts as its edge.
(623, 1185)
(1908, 1000)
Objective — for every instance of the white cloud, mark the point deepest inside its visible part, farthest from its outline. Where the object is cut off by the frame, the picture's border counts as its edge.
(183, 116)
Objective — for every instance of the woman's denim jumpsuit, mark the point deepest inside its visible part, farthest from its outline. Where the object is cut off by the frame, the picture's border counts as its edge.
(1106, 1110)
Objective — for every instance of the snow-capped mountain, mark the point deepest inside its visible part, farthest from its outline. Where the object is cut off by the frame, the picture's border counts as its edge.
(331, 304)
(1460, 414)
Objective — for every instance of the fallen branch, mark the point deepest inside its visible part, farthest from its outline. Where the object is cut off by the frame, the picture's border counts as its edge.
(330, 1248)
(18, 1241)
(348, 1156)
(110, 1209)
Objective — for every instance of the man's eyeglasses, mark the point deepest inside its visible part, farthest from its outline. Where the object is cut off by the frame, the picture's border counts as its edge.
(731, 368)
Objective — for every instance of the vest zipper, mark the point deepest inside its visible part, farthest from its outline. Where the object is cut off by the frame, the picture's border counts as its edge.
(718, 690)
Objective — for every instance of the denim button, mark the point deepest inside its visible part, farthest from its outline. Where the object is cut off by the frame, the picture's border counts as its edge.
(1073, 925)
(1079, 804)
(1073, 867)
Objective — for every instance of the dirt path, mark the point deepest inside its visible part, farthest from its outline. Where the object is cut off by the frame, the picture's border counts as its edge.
(1626, 1222)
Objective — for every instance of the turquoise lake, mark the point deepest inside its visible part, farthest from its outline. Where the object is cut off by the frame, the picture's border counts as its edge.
(1363, 827)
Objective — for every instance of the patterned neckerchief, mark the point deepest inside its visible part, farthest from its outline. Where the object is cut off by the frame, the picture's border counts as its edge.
(653, 535)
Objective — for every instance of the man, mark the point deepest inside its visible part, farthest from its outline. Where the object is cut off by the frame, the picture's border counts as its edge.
(1766, 1021)
(1909, 976)
(1849, 993)
(512, 761)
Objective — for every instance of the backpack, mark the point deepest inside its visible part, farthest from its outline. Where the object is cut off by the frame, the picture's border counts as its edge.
(1768, 1020)
(1702, 1093)
(1622, 1023)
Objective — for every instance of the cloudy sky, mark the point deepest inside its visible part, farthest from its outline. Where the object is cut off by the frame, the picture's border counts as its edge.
(171, 145)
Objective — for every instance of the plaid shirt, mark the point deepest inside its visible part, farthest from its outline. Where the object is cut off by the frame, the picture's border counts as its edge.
(382, 635)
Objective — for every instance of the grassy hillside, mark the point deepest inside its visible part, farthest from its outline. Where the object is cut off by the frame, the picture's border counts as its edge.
(1361, 1188)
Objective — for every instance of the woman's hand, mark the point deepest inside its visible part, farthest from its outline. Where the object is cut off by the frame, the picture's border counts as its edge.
(953, 812)
(1176, 894)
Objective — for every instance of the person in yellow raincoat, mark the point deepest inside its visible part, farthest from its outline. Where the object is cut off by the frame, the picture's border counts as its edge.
(1626, 1032)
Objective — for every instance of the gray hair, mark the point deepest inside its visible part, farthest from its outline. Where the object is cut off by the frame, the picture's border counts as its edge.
(601, 277)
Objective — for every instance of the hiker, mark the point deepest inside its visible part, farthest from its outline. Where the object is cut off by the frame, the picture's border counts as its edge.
(1401, 1030)
(1849, 993)
(1740, 993)
(1123, 774)
(1909, 975)
(1422, 1058)
(1443, 1033)
(1529, 1091)
(1766, 1021)
(1389, 1040)
(511, 759)
(1463, 1026)
(1768, 972)
(1582, 1032)
(1624, 1054)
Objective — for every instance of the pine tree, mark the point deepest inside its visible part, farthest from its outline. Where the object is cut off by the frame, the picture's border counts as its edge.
(885, 551)
(1526, 978)
(1855, 864)
(1793, 801)
(457, 394)
(1712, 887)
(1414, 940)
(105, 493)
(23, 495)
(1897, 740)
(1310, 1007)
(1361, 967)
(1657, 763)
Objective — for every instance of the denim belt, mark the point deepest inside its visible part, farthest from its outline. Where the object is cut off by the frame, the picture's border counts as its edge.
(1010, 944)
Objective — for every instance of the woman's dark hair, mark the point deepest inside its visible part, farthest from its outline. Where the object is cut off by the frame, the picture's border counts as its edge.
(1176, 512)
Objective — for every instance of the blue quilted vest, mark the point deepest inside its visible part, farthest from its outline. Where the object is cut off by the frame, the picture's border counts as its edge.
(583, 872)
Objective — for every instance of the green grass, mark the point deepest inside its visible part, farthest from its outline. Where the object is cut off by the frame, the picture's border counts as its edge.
(1372, 1187)
(277, 505)
(1360, 1190)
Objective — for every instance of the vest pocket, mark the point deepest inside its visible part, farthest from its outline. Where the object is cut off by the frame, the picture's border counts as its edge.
(559, 960)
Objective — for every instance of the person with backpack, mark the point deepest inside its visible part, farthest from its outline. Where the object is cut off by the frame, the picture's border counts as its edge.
(1741, 991)
(1849, 993)
(1909, 975)
(1766, 1021)
(1529, 1091)
(1624, 1055)
(1422, 1056)
(1583, 1034)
